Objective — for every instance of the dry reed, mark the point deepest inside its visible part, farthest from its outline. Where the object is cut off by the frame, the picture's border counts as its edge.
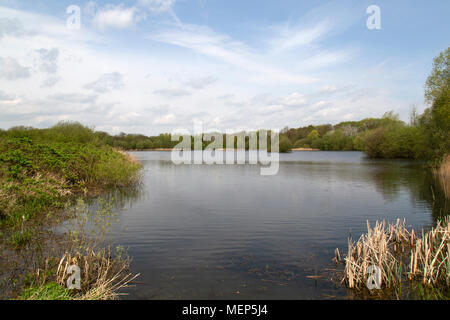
(102, 276)
(401, 255)
(103, 271)
(443, 175)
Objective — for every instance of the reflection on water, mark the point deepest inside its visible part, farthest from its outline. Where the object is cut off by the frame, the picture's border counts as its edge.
(226, 232)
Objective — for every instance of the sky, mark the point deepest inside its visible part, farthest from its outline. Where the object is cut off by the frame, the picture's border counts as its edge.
(154, 66)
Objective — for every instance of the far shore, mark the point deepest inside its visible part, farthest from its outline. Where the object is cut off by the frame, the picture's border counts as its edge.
(305, 149)
(169, 149)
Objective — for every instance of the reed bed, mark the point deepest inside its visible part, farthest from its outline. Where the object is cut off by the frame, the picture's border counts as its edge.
(102, 275)
(403, 256)
(104, 270)
(443, 175)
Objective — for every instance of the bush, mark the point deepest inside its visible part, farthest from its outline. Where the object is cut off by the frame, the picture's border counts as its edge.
(285, 144)
(302, 143)
(394, 141)
(40, 169)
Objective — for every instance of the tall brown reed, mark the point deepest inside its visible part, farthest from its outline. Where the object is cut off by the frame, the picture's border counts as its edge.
(104, 271)
(401, 255)
(443, 175)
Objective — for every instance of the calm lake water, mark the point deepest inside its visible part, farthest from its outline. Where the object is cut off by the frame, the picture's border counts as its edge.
(226, 232)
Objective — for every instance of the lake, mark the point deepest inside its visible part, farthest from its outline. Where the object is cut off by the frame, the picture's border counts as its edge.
(226, 232)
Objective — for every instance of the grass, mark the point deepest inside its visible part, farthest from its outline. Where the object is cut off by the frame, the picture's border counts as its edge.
(49, 291)
(418, 262)
(19, 239)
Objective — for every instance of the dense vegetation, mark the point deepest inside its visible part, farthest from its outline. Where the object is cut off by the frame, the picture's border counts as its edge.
(40, 169)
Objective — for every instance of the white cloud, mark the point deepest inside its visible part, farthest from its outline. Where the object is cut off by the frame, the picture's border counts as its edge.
(7, 98)
(172, 93)
(271, 109)
(11, 27)
(48, 60)
(74, 98)
(329, 89)
(116, 17)
(294, 100)
(166, 119)
(50, 82)
(106, 83)
(12, 70)
(201, 83)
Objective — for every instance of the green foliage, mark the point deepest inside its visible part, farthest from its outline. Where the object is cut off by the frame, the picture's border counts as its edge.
(20, 239)
(40, 169)
(314, 134)
(439, 79)
(435, 121)
(285, 144)
(393, 141)
(49, 291)
(336, 141)
(425, 292)
(137, 141)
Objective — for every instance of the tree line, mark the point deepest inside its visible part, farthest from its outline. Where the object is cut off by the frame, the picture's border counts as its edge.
(425, 137)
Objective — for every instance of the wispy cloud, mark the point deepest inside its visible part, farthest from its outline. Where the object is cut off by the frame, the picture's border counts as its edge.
(288, 37)
(157, 5)
(205, 41)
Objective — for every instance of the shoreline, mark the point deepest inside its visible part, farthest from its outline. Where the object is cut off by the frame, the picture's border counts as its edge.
(305, 149)
(221, 149)
(79, 170)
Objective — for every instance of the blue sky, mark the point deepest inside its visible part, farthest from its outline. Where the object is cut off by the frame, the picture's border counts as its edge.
(154, 66)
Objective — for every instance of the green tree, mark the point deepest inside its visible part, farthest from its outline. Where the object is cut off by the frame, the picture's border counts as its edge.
(436, 120)
(439, 79)
(313, 135)
(285, 144)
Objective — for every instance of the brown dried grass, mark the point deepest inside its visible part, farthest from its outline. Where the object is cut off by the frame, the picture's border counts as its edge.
(443, 175)
(102, 276)
(400, 254)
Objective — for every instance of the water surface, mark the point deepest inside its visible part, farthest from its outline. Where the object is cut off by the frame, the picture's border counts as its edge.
(226, 232)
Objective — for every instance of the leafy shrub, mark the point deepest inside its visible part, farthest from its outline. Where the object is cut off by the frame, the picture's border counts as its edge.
(40, 169)
(285, 144)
